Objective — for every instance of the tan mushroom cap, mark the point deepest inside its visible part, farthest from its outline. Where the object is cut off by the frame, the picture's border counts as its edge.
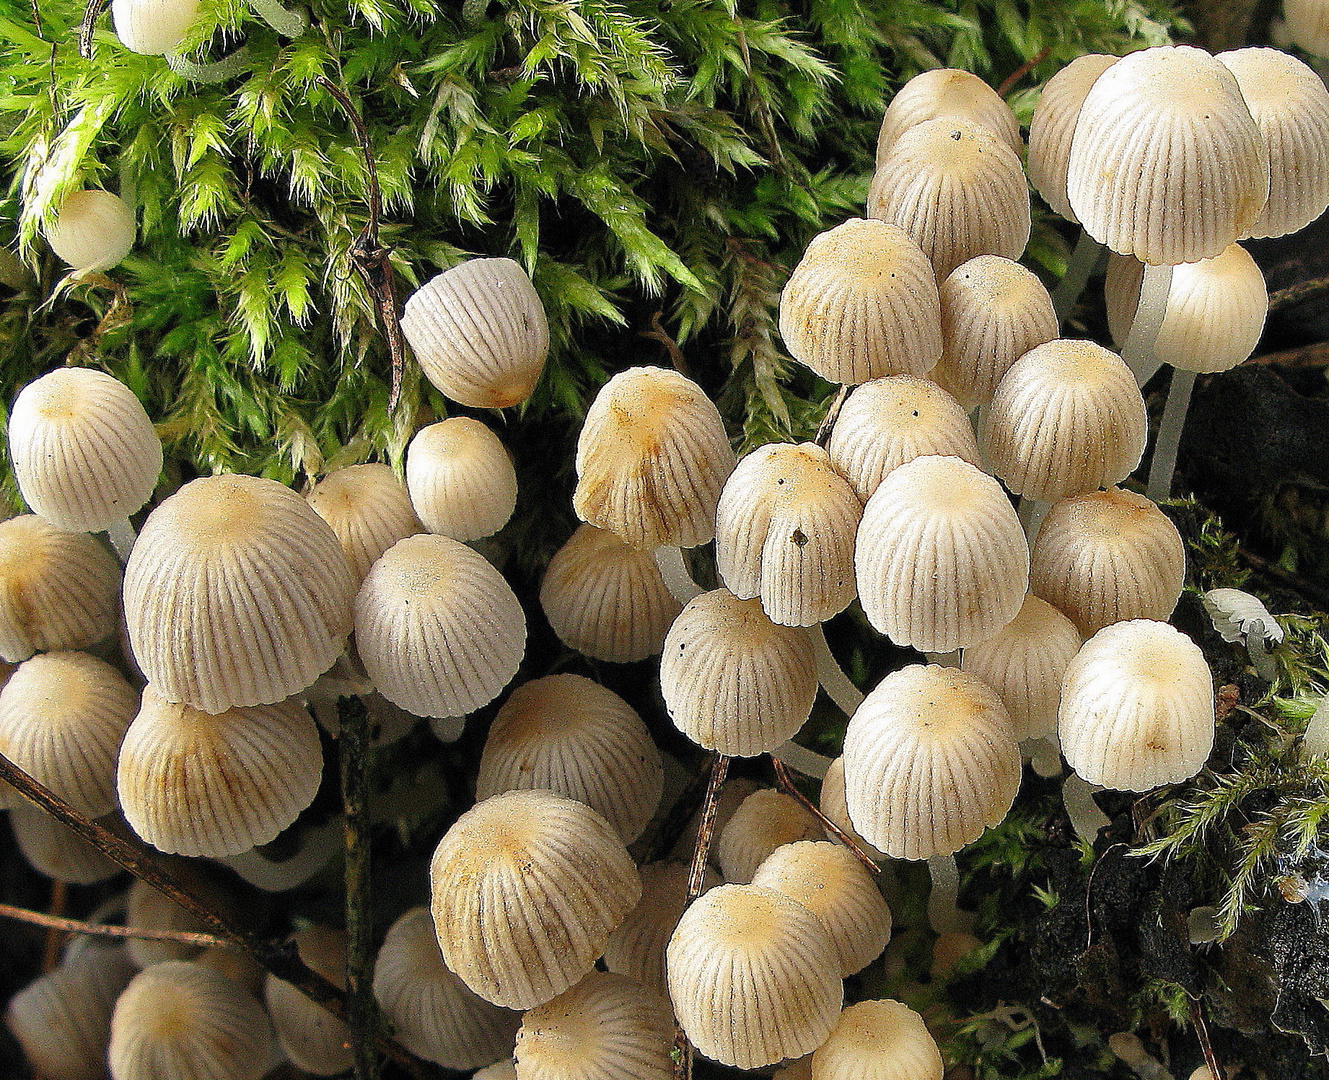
(55, 850)
(84, 452)
(861, 304)
(1053, 125)
(930, 761)
(637, 946)
(312, 1038)
(607, 1027)
(831, 802)
(93, 230)
(368, 510)
(1107, 556)
(764, 821)
(1137, 707)
(735, 790)
(461, 479)
(479, 332)
(878, 1040)
(58, 590)
(527, 888)
(438, 628)
(152, 27)
(784, 533)
(151, 910)
(753, 977)
(943, 93)
(567, 734)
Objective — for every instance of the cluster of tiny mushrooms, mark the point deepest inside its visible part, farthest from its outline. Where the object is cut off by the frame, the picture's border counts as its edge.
(1044, 627)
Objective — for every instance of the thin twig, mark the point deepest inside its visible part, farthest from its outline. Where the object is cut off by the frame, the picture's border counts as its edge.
(1317, 594)
(1008, 83)
(85, 31)
(832, 414)
(138, 933)
(784, 780)
(353, 740)
(1202, 1033)
(658, 333)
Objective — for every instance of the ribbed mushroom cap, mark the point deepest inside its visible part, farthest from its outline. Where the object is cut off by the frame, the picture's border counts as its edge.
(930, 761)
(439, 630)
(862, 303)
(58, 590)
(784, 532)
(993, 311)
(236, 593)
(1307, 25)
(149, 909)
(197, 783)
(607, 1027)
(93, 230)
(1025, 663)
(753, 977)
(831, 883)
(735, 790)
(84, 452)
(637, 947)
(432, 1012)
(941, 559)
(461, 479)
(63, 1019)
(152, 27)
(943, 93)
(886, 422)
(733, 681)
(527, 888)
(368, 510)
(479, 332)
(181, 1021)
(62, 716)
(957, 189)
(764, 821)
(500, 1070)
(1107, 556)
(1053, 125)
(1067, 417)
(1167, 163)
(1215, 309)
(606, 598)
(55, 850)
(567, 734)
(312, 1038)
(832, 803)
(652, 457)
(1137, 707)
(878, 1040)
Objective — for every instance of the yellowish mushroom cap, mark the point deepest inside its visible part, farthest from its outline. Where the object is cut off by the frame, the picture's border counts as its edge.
(368, 510)
(93, 230)
(942, 93)
(1053, 125)
(832, 803)
(461, 479)
(637, 947)
(765, 821)
(149, 909)
(878, 1040)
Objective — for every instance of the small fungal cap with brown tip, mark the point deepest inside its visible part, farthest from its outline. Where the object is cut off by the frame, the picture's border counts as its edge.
(312, 1038)
(461, 479)
(368, 510)
(765, 821)
(93, 230)
(942, 93)
(878, 1040)
(1053, 125)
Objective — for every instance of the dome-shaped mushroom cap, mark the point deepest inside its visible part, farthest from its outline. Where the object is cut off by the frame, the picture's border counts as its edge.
(461, 479)
(764, 821)
(367, 509)
(862, 303)
(527, 888)
(753, 976)
(84, 452)
(831, 883)
(784, 532)
(733, 681)
(181, 1021)
(607, 1027)
(831, 802)
(1167, 163)
(197, 783)
(1053, 125)
(886, 422)
(55, 850)
(58, 590)
(1137, 707)
(878, 1040)
(957, 189)
(930, 761)
(312, 1038)
(236, 593)
(1067, 417)
(942, 562)
(432, 1012)
(1025, 663)
(567, 734)
(652, 457)
(479, 332)
(637, 946)
(439, 630)
(152, 27)
(1215, 309)
(62, 716)
(606, 598)
(93, 230)
(149, 909)
(943, 93)
(1106, 556)
(993, 311)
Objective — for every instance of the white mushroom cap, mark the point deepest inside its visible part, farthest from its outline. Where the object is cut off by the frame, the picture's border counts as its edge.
(312, 1038)
(93, 230)
(367, 509)
(84, 452)
(878, 1040)
(764, 821)
(1053, 125)
(943, 93)
(461, 479)
(152, 27)
(55, 850)
(637, 946)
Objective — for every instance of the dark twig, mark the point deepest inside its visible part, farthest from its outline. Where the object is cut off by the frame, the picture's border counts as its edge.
(1202, 1033)
(1311, 289)
(85, 31)
(1317, 594)
(353, 740)
(77, 926)
(784, 780)
(658, 333)
(1008, 83)
(1307, 356)
(832, 414)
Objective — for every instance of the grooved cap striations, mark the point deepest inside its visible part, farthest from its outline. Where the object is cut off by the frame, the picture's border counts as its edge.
(764, 821)
(84, 452)
(461, 479)
(862, 303)
(236, 593)
(930, 761)
(878, 1040)
(152, 27)
(637, 947)
(367, 509)
(93, 229)
(479, 332)
(831, 802)
(941, 559)
(527, 888)
(1053, 126)
(439, 630)
(1137, 707)
(944, 93)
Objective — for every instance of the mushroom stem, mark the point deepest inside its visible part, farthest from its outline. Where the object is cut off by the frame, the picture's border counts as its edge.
(1043, 752)
(122, 536)
(1031, 514)
(1138, 349)
(674, 569)
(1316, 739)
(289, 22)
(945, 659)
(1169, 435)
(1078, 268)
(801, 759)
(944, 914)
(217, 71)
(362, 1011)
(1078, 796)
(838, 686)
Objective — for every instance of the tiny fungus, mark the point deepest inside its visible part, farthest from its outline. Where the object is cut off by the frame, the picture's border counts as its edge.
(93, 230)
(461, 479)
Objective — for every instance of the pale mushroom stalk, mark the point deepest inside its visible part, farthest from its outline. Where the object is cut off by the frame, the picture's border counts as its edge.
(801, 759)
(944, 914)
(1169, 432)
(677, 577)
(1316, 739)
(289, 22)
(1078, 268)
(1078, 796)
(122, 536)
(217, 71)
(1138, 349)
(838, 686)
(1043, 754)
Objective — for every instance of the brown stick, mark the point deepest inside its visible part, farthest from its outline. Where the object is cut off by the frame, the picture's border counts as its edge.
(832, 414)
(1308, 356)
(1202, 1033)
(784, 780)
(353, 739)
(657, 332)
(77, 926)
(1008, 83)
(1317, 594)
(90, 14)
